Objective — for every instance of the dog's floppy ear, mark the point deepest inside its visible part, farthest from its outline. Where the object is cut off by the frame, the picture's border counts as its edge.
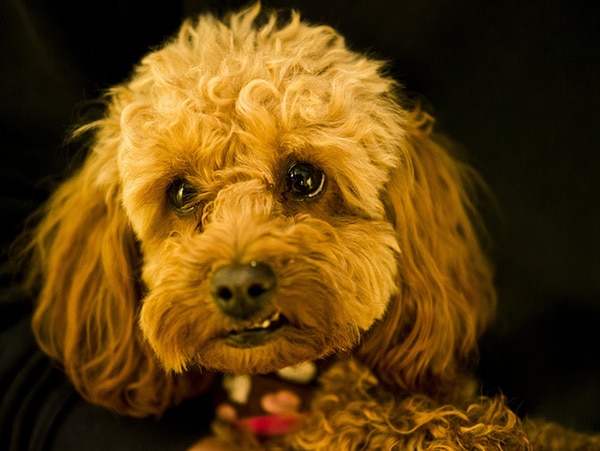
(85, 260)
(445, 290)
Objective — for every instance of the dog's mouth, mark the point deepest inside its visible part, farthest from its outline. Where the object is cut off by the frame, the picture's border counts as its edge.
(256, 333)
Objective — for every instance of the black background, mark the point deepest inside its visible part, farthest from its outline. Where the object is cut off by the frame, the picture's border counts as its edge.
(515, 82)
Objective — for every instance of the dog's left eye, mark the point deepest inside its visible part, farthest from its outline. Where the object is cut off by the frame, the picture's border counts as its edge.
(182, 197)
(304, 180)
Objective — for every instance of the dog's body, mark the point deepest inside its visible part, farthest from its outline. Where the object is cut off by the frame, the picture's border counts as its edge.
(256, 198)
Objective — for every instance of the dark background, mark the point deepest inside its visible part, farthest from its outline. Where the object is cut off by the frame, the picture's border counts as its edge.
(515, 82)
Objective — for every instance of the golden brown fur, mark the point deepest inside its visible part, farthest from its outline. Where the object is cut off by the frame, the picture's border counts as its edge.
(385, 265)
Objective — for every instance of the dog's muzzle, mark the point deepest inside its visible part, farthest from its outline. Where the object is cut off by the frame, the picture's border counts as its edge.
(243, 290)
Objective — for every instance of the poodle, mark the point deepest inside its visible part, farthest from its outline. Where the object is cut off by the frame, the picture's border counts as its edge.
(263, 215)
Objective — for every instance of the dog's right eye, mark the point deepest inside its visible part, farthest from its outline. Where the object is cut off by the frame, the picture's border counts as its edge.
(182, 197)
(304, 180)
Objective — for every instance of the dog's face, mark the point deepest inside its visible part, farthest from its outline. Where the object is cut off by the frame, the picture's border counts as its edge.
(257, 197)
(253, 182)
(260, 263)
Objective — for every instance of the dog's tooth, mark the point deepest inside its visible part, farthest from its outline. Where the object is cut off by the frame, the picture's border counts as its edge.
(267, 322)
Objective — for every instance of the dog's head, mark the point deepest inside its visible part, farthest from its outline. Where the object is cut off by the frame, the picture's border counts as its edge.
(257, 197)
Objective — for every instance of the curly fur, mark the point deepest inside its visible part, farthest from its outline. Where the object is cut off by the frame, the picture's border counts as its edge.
(386, 265)
(372, 417)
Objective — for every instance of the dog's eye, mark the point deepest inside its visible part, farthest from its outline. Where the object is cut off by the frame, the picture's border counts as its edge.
(304, 180)
(182, 197)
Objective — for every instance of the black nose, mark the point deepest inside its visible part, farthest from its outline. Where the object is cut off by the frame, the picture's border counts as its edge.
(242, 290)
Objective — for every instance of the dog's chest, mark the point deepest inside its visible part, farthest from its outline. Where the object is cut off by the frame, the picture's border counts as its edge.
(271, 404)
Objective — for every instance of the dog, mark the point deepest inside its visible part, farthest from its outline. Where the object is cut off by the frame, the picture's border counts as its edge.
(263, 207)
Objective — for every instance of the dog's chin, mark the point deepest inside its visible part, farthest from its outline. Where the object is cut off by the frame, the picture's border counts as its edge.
(259, 346)
(261, 351)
